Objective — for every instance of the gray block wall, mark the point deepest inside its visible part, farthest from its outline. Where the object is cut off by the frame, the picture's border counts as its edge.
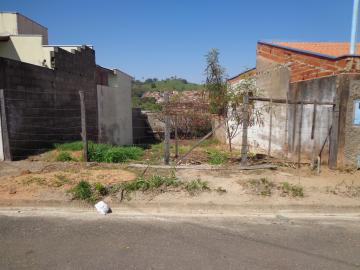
(43, 105)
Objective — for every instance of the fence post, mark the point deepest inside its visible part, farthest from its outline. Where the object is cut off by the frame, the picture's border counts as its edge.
(286, 143)
(244, 141)
(4, 127)
(83, 126)
(300, 132)
(176, 138)
(270, 129)
(167, 130)
(314, 157)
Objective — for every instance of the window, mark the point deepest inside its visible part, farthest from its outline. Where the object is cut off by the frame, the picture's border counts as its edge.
(357, 112)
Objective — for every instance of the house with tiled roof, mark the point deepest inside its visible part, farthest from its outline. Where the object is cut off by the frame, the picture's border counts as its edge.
(315, 92)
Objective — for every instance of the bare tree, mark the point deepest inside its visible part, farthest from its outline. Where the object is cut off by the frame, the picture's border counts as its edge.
(235, 108)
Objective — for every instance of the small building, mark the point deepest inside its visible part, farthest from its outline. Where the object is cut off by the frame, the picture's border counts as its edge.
(315, 93)
(39, 96)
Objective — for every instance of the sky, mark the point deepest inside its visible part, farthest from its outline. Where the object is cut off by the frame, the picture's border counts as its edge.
(163, 38)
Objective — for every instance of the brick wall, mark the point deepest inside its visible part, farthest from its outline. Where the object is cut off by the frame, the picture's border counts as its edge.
(305, 66)
(42, 105)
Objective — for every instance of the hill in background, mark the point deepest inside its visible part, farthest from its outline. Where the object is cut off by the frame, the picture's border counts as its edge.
(171, 84)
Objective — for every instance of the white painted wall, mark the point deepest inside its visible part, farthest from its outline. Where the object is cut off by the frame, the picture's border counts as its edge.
(8, 23)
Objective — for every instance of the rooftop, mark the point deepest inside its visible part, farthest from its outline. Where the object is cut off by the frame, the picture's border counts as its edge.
(333, 49)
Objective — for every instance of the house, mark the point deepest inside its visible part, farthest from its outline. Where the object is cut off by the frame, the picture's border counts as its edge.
(40, 86)
(315, 93)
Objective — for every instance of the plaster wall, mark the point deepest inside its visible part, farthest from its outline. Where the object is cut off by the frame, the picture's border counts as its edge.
(115, 114)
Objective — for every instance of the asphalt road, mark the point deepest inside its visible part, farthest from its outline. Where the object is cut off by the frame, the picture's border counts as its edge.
(177, 243)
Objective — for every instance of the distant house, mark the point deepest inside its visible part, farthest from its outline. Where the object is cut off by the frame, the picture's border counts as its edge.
(326, 79)
(41, 85)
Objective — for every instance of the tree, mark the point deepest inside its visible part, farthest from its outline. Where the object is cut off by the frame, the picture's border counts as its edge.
(215, 83)
(235, 107)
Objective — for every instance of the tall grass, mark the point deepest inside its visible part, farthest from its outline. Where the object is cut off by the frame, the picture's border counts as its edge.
(104, 152)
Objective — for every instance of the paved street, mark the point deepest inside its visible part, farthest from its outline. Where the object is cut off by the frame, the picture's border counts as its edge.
(177, 243)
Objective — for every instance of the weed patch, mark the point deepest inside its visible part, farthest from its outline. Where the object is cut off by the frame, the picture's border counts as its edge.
(265, 187)
(287, 189)
(196, 186)
(346, 190)
(72, 146)
(100, 152)
(261, 186)
(216, 157)
(82, 191)
(64, 156)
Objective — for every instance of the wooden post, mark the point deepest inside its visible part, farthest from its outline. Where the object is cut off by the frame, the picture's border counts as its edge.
(176, 138)
(83, 126)
(313, 120)
(286, 143)
(199, 142)
(300, 132)
(270, 129)
(167, 130)
(314, 157)
(244, 141)
(4, 127)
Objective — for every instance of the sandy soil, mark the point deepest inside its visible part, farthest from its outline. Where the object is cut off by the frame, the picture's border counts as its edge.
(46, 181)
(26, 180)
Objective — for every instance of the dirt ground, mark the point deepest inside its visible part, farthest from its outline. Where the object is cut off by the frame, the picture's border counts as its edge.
(48, 181)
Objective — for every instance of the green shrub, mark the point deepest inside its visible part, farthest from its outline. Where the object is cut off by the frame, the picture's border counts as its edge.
(64, 156)
(82, 191)
(216, 157)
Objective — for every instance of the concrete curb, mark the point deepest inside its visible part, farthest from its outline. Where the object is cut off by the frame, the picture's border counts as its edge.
(185, 209)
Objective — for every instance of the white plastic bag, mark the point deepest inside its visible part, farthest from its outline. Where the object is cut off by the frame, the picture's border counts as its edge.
(102, 208)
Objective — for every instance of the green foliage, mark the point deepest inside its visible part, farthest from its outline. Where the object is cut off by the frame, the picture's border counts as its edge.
(195, 186)
(146, 103)
(173, 83)
(82, 191)
(292, 190)
(215, 83)
(153, 182)
(71, 146)
(64, 156)
(102, 152)
(101, 189)
(216, 157)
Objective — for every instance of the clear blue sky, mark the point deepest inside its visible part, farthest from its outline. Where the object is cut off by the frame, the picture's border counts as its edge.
(162, 38)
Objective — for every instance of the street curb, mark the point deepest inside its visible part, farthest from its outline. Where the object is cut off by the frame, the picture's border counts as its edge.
(185, 209)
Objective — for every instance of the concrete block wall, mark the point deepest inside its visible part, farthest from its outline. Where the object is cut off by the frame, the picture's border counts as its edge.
(43, 105)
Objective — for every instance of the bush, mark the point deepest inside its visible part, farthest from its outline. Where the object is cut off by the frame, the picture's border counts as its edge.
(64, 156)
(82, 191)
